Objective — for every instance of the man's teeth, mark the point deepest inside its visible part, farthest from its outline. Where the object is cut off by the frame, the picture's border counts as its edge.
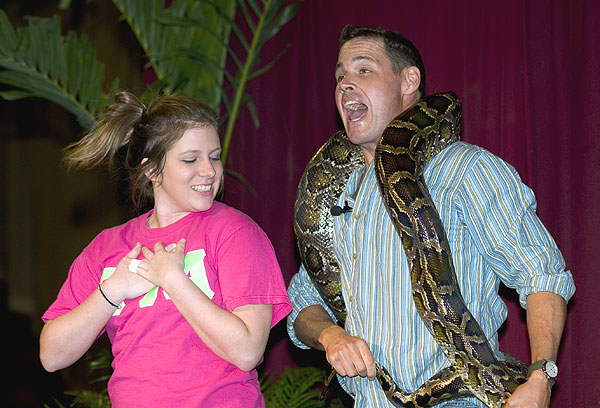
(202, 188)
(354, 105)
(355, 110)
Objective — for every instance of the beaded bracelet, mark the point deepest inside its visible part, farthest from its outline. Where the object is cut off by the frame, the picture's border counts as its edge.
(106, 297)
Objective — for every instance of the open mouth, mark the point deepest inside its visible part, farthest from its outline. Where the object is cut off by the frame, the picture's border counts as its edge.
(355, 110)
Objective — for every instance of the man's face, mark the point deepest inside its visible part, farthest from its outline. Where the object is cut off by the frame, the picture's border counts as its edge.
(368, 94)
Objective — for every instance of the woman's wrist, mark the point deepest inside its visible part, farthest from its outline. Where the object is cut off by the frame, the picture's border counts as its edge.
(110, 291)
(176, 281)
(110, 302)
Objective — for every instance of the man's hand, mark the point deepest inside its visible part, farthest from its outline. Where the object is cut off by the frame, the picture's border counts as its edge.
(535, 393)
(349, 355)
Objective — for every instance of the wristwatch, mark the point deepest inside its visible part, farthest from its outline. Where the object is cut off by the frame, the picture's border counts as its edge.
(548, 367)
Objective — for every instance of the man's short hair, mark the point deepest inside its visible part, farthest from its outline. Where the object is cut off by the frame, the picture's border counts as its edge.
(401, 52)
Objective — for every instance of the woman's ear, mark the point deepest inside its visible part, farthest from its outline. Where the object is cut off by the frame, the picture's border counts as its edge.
(150, 173)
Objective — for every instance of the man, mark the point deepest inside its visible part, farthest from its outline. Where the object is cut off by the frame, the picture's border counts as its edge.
(489, 217)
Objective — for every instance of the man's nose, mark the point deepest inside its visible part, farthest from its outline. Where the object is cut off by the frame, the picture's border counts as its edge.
(345, 83)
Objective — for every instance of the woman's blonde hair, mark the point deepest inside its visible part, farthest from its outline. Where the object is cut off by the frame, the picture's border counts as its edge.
(145, 133)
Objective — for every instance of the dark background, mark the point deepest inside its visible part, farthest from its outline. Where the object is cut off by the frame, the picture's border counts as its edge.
(526, 71)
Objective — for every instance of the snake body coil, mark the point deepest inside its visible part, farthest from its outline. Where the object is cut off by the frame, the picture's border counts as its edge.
(406, 146)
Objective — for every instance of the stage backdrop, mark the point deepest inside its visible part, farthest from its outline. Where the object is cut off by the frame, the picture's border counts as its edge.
(527, 73)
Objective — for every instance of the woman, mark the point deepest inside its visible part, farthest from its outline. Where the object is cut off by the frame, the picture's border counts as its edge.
(187, 292)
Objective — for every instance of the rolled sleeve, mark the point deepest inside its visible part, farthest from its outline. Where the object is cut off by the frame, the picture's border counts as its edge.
(501, 213)
(302, 293)
(543, 265)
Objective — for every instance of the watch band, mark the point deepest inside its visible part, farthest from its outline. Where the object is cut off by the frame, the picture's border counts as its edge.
(542, 365)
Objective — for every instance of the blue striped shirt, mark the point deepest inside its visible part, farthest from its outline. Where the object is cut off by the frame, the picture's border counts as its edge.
(494, 234)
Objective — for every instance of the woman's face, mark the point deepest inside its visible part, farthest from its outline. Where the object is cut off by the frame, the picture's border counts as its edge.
(192, 174)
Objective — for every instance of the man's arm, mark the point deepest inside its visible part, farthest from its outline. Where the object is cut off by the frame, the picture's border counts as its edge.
(546, 315)
(348, 355)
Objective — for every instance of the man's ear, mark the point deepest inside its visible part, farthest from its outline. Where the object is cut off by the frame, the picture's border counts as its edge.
(411, 79)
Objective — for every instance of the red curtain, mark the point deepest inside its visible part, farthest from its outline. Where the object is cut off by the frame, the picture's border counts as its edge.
(528, 75)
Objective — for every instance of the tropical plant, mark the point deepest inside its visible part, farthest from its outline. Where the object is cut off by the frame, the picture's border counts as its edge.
(99, 360)
(187, 44)
(297, 388)
(294, 388)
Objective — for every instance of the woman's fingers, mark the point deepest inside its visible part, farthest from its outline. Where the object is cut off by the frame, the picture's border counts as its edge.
(133, 265)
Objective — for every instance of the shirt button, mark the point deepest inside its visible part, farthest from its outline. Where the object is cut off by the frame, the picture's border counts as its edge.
(354, 256)
(356, 216)
(351, 298)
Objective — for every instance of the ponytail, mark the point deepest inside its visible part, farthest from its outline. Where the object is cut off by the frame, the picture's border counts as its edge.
(113, 132)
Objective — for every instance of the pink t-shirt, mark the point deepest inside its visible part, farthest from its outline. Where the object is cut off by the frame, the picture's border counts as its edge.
(158, 359)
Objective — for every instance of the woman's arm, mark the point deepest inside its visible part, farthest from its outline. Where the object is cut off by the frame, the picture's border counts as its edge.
(239, 337)
(65, 339)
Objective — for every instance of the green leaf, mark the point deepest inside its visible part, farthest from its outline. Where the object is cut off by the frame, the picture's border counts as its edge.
(14, 95)
(38, 61)
(275, 24)
(64, 4)
(243, 180)
(295, 388)
(8, 38)
(247, 15)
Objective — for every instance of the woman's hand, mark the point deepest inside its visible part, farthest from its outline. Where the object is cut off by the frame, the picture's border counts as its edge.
(123, 284)
(164, 265)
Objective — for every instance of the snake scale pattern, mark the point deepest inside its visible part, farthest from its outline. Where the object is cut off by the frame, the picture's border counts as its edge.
(405, 148)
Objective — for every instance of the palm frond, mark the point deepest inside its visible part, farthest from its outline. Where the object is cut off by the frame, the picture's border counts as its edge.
(263, 20)
(295, 388)
(38, 61)
(90, 399)
(243, 180)
(169, 34)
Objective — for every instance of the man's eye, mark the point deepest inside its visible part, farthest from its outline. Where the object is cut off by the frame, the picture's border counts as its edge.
(216, 158)
(365, 70)
(339, 78)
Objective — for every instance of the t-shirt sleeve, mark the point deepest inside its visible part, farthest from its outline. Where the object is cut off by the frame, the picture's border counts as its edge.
(500, 212)
(81, 281)
(249, 273)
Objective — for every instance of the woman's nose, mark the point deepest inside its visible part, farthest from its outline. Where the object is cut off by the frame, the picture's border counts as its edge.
(206, 168)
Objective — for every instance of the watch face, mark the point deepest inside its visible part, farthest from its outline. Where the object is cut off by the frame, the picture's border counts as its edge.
(551, 369)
